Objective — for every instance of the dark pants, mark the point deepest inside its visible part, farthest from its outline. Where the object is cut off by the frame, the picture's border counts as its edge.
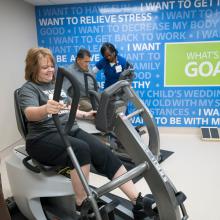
(85, 104)
(50, 150)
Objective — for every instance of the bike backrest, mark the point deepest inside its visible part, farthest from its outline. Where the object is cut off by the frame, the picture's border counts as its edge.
(20, 118)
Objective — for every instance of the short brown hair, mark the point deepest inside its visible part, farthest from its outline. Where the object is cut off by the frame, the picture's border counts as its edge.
(82, 53)
(32, 62)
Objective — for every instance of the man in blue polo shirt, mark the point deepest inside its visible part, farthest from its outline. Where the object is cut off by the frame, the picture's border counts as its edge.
(112, 64)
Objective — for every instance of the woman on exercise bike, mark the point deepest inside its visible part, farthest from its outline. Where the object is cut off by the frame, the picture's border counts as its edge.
(43, 142)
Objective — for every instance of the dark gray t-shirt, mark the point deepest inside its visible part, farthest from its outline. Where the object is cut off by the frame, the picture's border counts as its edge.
(32, 94)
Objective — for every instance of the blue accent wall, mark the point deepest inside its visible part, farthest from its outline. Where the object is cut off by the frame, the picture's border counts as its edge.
(140, 31)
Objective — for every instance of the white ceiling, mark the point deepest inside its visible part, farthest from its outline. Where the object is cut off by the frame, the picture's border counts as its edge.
(58, 2)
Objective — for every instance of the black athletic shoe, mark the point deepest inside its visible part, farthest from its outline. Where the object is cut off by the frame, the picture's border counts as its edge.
(143, 207)
(90, 213)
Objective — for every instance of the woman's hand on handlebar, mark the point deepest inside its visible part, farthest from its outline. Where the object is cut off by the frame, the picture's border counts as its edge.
(53, 107)
(86, 115)
(90, 115)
